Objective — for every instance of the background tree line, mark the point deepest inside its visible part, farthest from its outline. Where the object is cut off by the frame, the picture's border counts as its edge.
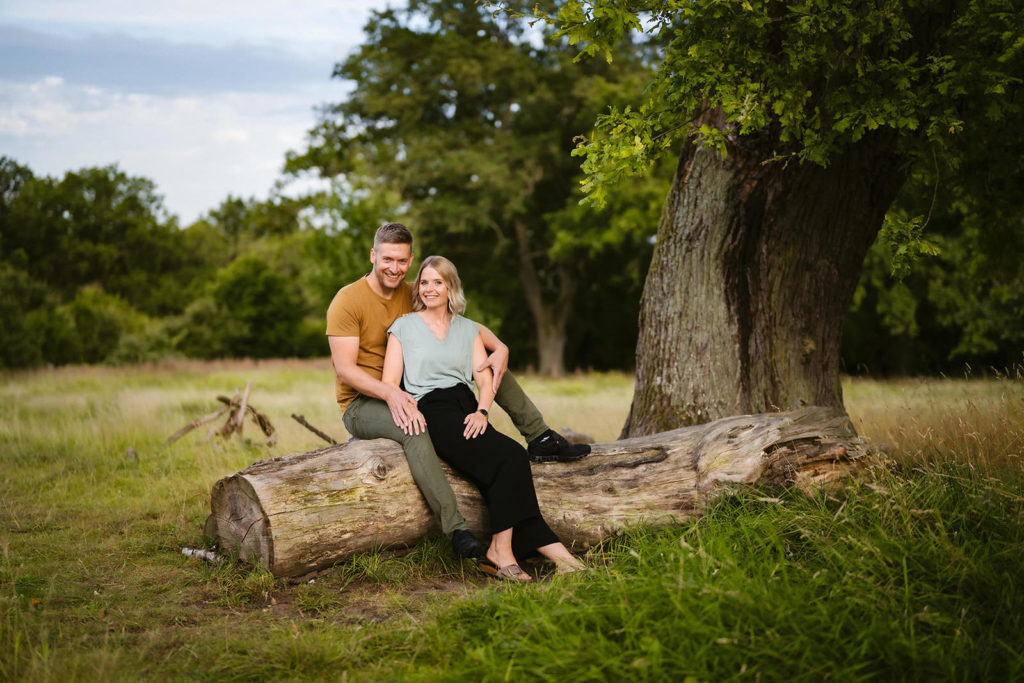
(462, 123)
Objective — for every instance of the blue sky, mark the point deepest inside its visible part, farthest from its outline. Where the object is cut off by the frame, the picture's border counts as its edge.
(204, 98)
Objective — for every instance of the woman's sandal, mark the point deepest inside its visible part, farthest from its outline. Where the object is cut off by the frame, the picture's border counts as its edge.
(510, 572)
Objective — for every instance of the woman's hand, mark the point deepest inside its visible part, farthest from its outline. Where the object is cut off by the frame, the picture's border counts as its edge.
(417, 423)
(405, 412)
(476, 424)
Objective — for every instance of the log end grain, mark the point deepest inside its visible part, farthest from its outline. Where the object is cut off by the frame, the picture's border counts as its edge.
(242, 526)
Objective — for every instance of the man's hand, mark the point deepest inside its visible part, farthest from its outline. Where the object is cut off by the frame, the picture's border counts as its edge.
(498, 363)
(476, 424)
(405, 412)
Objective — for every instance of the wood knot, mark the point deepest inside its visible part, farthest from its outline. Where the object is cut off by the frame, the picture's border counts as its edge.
(377, 468)
(807, 347)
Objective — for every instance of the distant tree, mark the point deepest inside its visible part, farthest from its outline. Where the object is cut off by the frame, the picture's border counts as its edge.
(231, 218)
(13, 177)
(94, 226)
(241, 219)
(203, 250)
(470, 118)
(250, 310)
(84, 260)
(100, 321)
(20, 296)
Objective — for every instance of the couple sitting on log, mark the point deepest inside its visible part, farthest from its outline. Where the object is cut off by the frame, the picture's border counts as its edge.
(385, 334)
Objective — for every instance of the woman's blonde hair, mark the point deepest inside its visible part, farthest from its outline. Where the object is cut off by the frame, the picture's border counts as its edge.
(446, 269)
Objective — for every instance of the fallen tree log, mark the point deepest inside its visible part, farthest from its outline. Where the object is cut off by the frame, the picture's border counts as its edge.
(307, 511)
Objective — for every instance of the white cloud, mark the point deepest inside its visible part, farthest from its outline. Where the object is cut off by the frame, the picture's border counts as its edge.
(197, 150)
(204, 98)
(229, 135)
(34, 109)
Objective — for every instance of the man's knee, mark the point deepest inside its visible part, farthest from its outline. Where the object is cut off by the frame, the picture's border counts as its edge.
(369, 418)
(419, 448)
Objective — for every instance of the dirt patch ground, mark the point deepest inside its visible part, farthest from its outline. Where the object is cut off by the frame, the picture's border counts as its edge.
(368, 602)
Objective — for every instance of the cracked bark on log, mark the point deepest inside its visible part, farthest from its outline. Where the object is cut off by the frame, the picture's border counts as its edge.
(307, 511)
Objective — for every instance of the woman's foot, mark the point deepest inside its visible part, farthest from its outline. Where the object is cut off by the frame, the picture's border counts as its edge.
(569, 565)
(565, 562)
(500, 562)
(510, 572)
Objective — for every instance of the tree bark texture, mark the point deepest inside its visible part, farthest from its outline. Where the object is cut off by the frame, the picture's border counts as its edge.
(754, 269)
(308, 511)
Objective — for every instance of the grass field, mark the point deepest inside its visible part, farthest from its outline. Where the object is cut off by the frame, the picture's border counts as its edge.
(912, 573)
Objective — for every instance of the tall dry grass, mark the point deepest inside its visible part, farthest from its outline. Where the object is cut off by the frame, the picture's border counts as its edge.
(975, 422)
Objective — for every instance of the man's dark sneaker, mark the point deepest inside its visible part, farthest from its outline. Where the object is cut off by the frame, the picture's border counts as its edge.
(465, 545)
(553, 447)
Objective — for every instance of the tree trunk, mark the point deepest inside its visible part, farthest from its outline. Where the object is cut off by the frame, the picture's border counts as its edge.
(551, 338)
(550, 314)
(308, 511)
(754, 269)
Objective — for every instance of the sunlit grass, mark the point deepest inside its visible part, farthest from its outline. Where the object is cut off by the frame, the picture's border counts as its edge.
(975, 422)
(913, 573)
(594, 404)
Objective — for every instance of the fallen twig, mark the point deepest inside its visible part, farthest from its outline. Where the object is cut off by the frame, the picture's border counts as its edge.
(302, 421)
(236, 408)
(237, 419)
(261, 420)
(195, 423)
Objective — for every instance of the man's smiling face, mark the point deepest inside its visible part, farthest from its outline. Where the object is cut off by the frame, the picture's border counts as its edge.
(390, 264)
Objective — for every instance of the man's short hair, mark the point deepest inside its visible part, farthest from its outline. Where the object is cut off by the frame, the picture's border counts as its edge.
(392, 233)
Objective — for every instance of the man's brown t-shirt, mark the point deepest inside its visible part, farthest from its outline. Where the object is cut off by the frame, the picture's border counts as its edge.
(357, 311)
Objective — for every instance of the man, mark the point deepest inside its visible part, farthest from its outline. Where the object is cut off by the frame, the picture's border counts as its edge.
(357, 323)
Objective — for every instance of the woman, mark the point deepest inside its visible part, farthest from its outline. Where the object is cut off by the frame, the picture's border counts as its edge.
(434, 350)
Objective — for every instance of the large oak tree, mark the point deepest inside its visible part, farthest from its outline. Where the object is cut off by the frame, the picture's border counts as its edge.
(802, 120)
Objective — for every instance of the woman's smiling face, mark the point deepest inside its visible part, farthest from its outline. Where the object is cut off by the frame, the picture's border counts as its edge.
(432, 289)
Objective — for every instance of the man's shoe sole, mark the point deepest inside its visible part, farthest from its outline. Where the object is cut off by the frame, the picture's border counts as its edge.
(541, 459)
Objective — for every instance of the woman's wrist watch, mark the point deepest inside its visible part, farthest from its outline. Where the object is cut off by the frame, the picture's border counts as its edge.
(482, 410)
